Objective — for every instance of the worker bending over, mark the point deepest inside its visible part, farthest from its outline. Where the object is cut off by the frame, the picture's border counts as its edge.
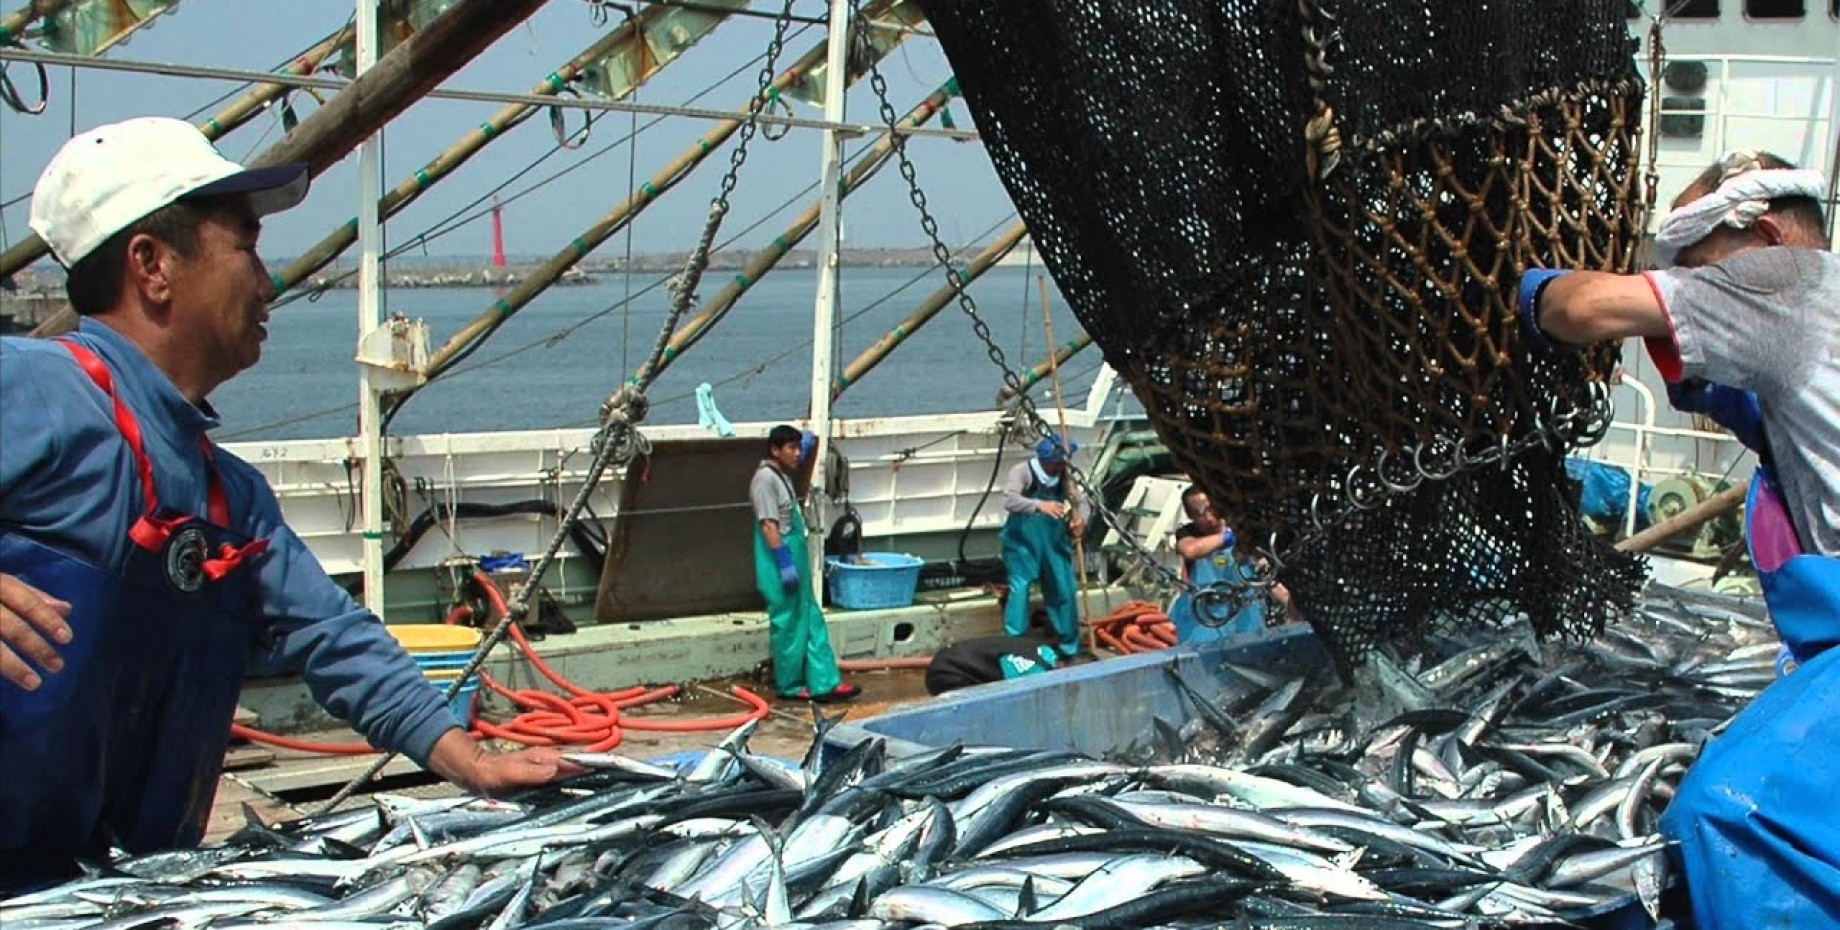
(1206, 544)
(1750, 302)
(1038, 541)
(142, 568)
(804, 667)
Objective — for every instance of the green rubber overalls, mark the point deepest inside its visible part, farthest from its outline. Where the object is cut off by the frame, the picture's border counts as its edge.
(802, 656)
(1037, 547)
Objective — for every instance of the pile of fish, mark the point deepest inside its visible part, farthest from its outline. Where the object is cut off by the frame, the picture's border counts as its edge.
(1483, 781)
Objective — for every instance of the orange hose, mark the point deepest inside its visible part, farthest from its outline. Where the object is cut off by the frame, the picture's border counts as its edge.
(331, 749)
(587, 717)
(583, 718)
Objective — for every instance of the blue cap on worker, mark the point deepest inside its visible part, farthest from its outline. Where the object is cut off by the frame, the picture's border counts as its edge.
(808, 443)
(1054, 449)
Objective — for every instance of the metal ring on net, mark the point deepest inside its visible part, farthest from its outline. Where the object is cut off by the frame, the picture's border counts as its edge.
(1217, 604)
(1362, 496)
(1411, 481)
(1598, 416)
(1316, 517)
(1429, 473)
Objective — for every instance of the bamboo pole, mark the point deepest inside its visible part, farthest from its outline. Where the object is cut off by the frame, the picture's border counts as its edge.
(335, 243)
(1073, 491)
(248, 106)
(400, 78)
(579, 248)
(242, 110)
(763, 261)
(1057, 358)
(924, 313)
(1692, 518)
(15, 25)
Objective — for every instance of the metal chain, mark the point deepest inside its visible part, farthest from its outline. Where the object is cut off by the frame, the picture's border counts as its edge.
(618, 441)
(1215, 604)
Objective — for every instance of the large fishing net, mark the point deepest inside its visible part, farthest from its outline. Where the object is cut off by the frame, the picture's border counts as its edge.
(1296, 229)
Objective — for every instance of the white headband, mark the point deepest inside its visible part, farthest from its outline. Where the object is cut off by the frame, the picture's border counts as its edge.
(1736, 203)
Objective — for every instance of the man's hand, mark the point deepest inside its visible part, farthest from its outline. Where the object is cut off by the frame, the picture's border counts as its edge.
(1054, 509)
(1077, 526)
(788, 572)
(460, 760)
(27, 616)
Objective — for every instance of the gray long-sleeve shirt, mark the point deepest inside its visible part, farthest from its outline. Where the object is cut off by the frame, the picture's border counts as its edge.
(1764, 321)
(1015, 493)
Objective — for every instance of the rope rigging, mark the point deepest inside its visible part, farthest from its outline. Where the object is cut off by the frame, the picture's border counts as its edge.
(618, 440)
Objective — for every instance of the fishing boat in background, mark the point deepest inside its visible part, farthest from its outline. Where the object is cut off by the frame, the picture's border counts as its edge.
(405, 518)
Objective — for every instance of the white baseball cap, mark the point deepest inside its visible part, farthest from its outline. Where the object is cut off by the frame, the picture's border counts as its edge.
(105, 179)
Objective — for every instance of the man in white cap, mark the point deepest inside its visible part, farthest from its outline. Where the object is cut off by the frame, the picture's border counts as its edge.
(1745, 325)
(142, 569)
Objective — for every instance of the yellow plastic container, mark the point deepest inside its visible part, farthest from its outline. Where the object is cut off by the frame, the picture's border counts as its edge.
(435, 637)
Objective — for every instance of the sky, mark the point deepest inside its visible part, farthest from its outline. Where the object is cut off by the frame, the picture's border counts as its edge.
(960, 185)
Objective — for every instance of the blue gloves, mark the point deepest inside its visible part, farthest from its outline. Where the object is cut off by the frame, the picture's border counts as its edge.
(1736, 410)
(808, 443)
(1533, 284)
(788, 573)
(1228, 538)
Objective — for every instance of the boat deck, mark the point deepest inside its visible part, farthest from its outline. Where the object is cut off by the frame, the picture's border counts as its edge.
(281, 784)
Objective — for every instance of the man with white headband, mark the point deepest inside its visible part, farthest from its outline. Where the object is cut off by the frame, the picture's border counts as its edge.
(1744, 323)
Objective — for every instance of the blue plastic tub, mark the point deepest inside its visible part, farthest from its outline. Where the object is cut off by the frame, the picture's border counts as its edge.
(887, 580)
(462, 703)
(443, 662)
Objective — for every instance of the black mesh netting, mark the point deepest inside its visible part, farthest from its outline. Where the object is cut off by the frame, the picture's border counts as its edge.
(1296, 229)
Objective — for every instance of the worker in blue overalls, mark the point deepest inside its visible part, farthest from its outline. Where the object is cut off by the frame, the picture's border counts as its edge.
(1206, 544)
(1038, 541)
(1748, 306)
(142, 569)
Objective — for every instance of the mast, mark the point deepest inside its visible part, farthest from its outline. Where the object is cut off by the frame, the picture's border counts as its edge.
(370, 317)
(836, 85)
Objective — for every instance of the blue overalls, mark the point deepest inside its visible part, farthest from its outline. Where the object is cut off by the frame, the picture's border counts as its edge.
(1753, 819)
(1037, 547)
(1220, 567)
(123, 747)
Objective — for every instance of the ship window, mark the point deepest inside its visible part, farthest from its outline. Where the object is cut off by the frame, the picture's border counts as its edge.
(1697, 9)
(1775, 9)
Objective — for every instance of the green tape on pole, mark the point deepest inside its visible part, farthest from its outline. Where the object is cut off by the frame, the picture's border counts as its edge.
(668, 354)
(488, 129)
(421, 178)
(371, 534)
(211, 125)
(744, 281)
(648, 190)
(781, 243)
(556, 83)
(503, 307)
(900, 333)
(844, 382)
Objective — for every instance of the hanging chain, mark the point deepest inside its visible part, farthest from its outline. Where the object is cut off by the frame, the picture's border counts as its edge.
(1023, 403)
(618, 441)
(1363, 488)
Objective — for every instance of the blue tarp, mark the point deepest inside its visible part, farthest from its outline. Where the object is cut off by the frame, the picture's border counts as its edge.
(1606, 492)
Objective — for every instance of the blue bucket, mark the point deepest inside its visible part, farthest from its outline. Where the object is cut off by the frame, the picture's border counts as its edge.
(442, 661)
(883, 580)
(462, 703)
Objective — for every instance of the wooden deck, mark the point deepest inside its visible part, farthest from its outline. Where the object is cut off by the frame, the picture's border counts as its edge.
(282, 784)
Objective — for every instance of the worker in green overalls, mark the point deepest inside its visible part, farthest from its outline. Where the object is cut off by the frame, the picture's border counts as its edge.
(1038, 542)
(804, 667)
